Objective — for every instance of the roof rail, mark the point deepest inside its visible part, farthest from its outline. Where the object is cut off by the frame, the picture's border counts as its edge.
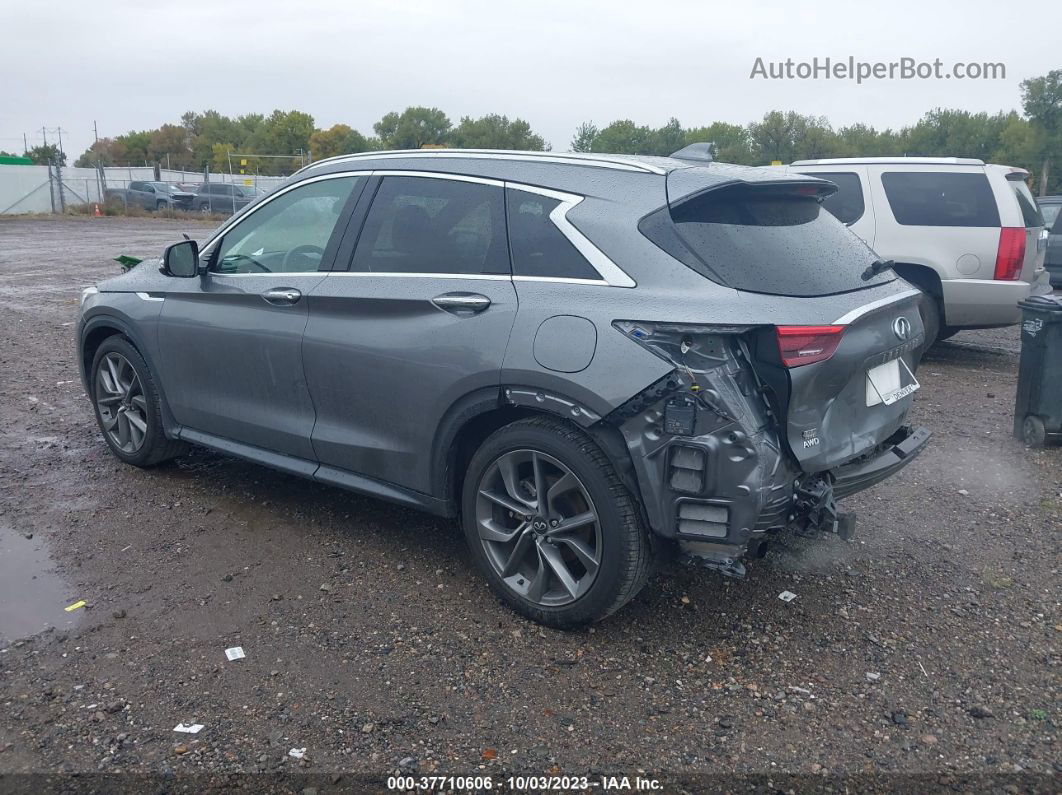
(571, 158)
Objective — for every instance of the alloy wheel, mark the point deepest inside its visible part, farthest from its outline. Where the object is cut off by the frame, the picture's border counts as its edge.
(121, 402)
(538, 527)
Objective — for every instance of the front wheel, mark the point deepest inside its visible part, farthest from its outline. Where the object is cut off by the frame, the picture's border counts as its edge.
(127, 405)
(554, 530)
(160, 206)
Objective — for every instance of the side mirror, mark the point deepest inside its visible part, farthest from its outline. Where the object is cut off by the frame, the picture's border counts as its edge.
(181, 259)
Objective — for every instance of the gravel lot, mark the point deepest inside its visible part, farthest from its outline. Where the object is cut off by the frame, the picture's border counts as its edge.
(923, 655)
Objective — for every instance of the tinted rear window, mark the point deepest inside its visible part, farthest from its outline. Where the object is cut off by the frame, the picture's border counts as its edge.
(538, 246)
(1051, 214)
(940, 198)
(769, 240)
(1030, 213)
(846, 205)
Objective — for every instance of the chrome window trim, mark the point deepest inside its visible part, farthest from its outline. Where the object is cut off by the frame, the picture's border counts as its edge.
(236, 219)
(611, 274)
(149, 297)
(857, 313)
(566, 158)
(492, 277)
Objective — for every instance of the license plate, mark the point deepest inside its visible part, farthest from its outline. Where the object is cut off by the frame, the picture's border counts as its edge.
(885, 383)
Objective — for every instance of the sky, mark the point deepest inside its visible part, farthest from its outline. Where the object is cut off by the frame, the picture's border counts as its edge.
(130, 65)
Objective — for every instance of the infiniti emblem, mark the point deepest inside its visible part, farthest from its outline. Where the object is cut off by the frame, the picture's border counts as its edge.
(901, 326)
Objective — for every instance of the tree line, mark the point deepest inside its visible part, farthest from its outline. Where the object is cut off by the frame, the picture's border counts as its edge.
(1031, 138)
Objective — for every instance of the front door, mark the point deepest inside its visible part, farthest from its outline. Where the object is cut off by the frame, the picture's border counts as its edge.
(421, 318)
(231, 340)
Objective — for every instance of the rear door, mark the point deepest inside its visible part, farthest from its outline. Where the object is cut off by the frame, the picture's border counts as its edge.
(231, 341)
(416, 315)
(944, 217)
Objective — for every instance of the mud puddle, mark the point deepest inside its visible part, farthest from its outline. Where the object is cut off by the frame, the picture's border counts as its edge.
(32, 594)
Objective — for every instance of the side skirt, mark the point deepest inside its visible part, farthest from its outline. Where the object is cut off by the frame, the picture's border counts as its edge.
(318, 472)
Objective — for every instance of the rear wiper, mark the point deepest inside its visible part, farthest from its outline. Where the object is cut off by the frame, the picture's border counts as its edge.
(876, 267)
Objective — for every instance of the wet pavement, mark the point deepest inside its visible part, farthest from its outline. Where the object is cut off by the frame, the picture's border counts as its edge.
(32, 593)
(927, 648)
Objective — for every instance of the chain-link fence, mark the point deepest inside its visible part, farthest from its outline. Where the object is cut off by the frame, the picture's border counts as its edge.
(52, 189)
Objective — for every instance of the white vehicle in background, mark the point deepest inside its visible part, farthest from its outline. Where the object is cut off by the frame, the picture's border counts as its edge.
(969, 234)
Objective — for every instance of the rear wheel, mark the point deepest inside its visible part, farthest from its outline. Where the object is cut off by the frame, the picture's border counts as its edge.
(204, 208)
(1033, 431)
(947, 332)
(557, 535)
(127, 405)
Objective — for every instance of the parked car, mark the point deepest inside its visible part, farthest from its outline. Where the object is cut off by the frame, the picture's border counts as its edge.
(222, 197)
(151, 196)
(967, 233)
(1050, 207)
(590, 360)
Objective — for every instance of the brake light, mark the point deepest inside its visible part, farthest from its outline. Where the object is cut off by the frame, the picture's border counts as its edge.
(800, 345)
(1011, 253)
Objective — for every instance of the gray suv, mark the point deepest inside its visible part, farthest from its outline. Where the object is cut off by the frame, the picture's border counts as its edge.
(591, 361)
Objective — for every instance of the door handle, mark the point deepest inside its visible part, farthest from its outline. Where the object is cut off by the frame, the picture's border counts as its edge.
(461, 302)
(282, 296)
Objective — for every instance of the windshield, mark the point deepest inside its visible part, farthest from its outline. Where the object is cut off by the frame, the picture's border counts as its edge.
(773, 239)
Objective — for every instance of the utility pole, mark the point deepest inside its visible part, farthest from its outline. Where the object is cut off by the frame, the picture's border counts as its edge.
(95, 132)
(25, 144)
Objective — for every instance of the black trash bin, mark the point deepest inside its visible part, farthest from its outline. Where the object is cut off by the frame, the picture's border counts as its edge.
(1038, 407)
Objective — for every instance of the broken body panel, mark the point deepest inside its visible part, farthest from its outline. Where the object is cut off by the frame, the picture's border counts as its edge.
(677, 374)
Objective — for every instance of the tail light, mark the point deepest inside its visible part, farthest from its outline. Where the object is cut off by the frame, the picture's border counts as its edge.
(1011, 253)
(800, 345)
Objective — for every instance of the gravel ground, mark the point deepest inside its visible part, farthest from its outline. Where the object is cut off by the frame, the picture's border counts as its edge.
(922, 654)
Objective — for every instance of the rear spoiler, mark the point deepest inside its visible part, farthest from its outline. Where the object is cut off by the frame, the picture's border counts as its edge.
(683, 190)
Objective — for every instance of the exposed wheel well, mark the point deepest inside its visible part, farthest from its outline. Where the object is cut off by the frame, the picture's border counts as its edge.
(468, 439)
(476, 430)
(92, 343)
(921, 276)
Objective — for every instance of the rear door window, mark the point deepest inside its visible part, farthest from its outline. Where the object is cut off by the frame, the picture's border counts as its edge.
(769, 239)
(430, 225)
(846, 205)
(940, 198)
(539, 248)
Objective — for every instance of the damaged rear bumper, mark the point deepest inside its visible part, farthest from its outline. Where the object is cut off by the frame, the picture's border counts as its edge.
(720, 491)
(897, 452)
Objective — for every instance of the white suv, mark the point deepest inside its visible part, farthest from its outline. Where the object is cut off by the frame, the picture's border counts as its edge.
(966, 233)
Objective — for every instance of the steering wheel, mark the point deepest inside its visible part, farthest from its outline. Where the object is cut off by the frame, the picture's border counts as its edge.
(302, 251)
(251, 261)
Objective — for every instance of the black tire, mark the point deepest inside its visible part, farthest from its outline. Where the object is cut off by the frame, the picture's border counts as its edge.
(947, 332)
(625, 553)
(160, 206)
(155, 447)
(930, 311)
(1033, 431)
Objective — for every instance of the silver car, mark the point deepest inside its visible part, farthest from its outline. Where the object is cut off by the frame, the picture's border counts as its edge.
(591, 362)
(968, 233)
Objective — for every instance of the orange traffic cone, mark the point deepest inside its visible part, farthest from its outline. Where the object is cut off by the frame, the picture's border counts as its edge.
(97, 212)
